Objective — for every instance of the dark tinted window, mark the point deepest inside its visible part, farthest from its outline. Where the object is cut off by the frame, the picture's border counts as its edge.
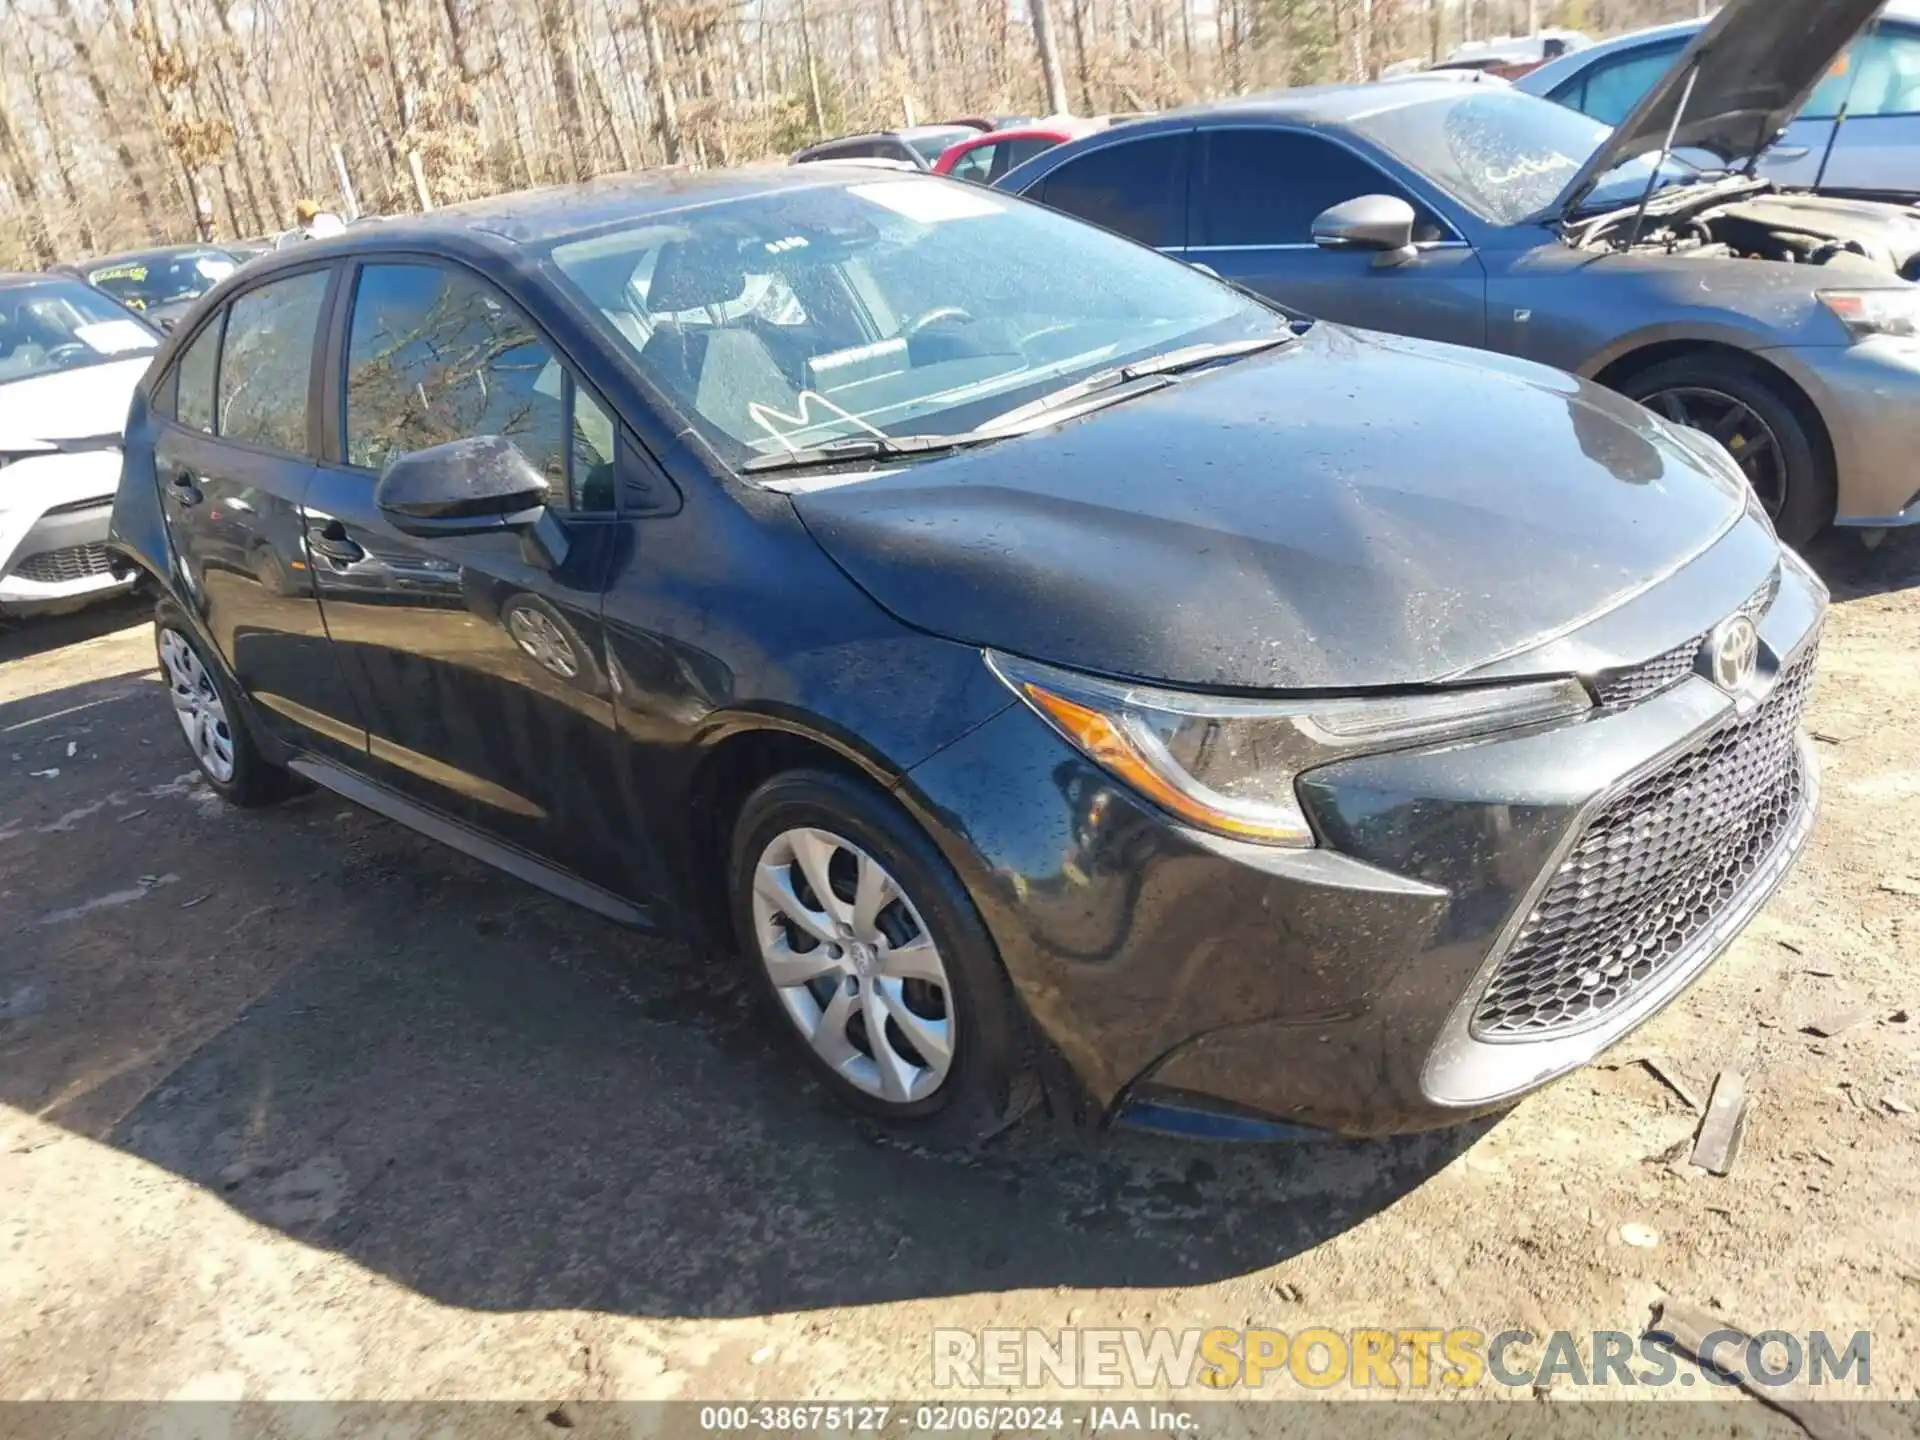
(1266, 187)
(1137, 188)
(435, 355)
(266, 361)
(193, 402)
(1018, 152)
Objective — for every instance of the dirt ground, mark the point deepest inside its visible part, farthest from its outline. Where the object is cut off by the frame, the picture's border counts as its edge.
(296, 1104)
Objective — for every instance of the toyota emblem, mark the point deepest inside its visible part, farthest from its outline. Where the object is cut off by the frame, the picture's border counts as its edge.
(1733, 654)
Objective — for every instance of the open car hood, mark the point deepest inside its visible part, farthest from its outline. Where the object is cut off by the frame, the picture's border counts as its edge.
(1758, 61)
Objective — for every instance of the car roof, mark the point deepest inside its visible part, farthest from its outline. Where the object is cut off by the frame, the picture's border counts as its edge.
(20, 279)
(156, 252)
(1902, 11)
(557, 212)
(1307, 104)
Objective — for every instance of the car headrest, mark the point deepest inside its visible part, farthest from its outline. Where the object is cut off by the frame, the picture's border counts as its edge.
(686, 277)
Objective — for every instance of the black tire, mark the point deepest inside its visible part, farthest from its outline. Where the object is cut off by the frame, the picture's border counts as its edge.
(255, 781)
(977, 1097)
(1806, 471)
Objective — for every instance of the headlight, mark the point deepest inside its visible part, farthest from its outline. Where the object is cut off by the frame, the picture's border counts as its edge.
(1876, 312)
(1229, 765)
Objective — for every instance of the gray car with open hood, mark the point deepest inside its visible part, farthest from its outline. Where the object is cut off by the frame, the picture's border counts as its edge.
(1785, 325)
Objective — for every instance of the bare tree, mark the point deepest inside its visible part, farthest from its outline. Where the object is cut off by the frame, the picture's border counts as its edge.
(1050, 76)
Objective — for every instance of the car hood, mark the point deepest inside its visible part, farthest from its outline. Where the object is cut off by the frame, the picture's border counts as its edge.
(1758, 60)
(1354, 510)
(69, 404)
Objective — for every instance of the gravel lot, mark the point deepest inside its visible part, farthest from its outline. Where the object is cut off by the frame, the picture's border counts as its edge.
(296, 1104)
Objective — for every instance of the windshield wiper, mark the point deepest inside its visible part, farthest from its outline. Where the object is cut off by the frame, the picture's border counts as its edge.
(862, 447)
(1121, 382)
(1187, 357)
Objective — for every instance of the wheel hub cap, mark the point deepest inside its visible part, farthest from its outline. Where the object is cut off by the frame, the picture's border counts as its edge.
(853, 965)
(197, 706)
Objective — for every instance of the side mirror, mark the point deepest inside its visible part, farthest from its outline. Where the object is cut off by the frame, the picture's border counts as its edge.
(1382, 223)
(479, 486)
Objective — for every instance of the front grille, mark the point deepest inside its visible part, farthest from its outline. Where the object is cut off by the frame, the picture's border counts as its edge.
(1619, 689)
(1653, 871)
(74, 562)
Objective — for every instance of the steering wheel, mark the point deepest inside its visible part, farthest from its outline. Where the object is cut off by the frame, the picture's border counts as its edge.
(72, 347)
(933, 317)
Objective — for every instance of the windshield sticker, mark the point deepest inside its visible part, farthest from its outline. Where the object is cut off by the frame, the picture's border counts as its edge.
(114, 337)
(928, 203)
(780, 425)
(135, 273)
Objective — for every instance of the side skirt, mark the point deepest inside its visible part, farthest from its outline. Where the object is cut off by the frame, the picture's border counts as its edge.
(516, 863)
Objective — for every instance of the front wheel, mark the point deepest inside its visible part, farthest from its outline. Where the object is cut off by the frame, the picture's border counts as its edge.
(873, 957)
(1774, 444)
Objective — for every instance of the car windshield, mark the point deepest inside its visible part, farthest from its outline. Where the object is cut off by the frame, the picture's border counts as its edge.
(54, 325)
(145, 282)
(1506, 156)
(884, 308)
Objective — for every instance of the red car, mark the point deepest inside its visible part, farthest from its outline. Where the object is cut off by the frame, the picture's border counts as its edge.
(985, 158)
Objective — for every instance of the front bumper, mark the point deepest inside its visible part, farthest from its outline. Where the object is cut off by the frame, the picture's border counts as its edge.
(1333, 988)
(1868, 395)
(53, 552)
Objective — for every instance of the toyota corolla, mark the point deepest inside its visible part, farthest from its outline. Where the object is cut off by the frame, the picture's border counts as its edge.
(1253, 726)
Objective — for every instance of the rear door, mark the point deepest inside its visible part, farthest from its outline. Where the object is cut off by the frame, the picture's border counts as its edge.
(480, 673)
(233, 453)
(1256, 193)
(1134, 187)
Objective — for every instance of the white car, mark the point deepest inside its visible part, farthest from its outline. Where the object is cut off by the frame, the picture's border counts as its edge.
(69, 359)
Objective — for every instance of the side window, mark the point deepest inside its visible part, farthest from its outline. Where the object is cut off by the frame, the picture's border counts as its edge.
(193, 378)
(1878, 77)
(1613, 87)
(434, 354)
(1267, 187)
(977, 164)
(1018, 152)
(594, 439)
(266, 361)
(1137, 188)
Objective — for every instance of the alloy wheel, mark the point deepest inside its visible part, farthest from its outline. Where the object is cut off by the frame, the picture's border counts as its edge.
(1736, 425)
(853, 965)
(541, 639)
(197, 706)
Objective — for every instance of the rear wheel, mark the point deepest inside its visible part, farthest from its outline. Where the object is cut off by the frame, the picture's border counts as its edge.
(1774, 444)
(212, 720)
(873, 957)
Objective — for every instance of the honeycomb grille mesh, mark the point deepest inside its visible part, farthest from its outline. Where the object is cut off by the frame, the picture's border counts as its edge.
(73, 562)
(1619, 689)
(1654, 869)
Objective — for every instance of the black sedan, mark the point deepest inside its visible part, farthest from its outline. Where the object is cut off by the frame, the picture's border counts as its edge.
(1072, 665)
(159, 284)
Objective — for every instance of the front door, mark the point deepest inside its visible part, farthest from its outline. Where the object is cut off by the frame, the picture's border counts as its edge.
(1875, 150)
(480, 672)
(1256, 193)
(234, 460)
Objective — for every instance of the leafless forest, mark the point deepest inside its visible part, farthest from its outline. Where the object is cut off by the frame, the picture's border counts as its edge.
(127, 122)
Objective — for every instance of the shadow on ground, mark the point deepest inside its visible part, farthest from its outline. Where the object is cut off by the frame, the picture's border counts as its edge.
(42, 634)
(1853, 570)
(376, 1046)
